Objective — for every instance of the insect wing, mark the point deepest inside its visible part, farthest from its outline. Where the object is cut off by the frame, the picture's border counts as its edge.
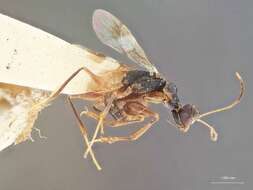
(113, 33)
(107, 29)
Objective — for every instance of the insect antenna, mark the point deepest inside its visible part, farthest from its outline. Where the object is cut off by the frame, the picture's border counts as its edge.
(213, 133)
(235, 102)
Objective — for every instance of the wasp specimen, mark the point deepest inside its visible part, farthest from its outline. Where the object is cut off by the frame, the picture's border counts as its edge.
(125, 93)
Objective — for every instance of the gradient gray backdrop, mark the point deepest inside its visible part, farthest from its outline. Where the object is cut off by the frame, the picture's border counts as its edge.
(199, 44)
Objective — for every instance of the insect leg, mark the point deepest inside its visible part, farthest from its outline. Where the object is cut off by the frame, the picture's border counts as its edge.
(54, 94)
(84, 132)
(126, 121)
(98, 106)
(137, 134)
(93, 114)
(100, 124)
(115, 123)
(90, 114)
(37, 107)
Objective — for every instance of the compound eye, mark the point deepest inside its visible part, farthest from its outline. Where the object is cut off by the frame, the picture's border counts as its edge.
(172, 88)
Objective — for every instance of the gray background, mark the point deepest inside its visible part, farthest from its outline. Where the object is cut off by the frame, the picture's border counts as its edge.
(199, 44)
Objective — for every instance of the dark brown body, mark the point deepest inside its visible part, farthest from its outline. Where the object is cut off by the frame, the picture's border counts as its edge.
(136, 86)
(139, 87)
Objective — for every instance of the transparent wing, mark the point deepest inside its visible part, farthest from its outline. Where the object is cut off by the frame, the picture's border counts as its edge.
(113, 33)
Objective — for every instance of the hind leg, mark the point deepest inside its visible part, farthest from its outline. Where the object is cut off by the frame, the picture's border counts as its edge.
(84, 132)
(44, 102)
(56, 93)
(101, 119)
(114, 123)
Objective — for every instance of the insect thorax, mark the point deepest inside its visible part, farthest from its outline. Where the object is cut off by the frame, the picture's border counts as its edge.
(143, 81)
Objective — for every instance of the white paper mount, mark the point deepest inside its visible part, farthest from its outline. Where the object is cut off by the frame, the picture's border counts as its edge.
(34, 59)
